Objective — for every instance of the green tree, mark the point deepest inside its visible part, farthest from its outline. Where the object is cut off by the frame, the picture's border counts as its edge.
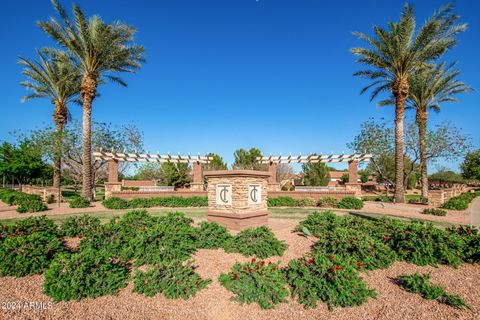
(176, 174)
(55, 77)
(430, 87)
(443, 175)
(247, 159)
(149, 171)
(216, 164)
(471, 165)
(100, 50)
(395, 54)
(315, 174)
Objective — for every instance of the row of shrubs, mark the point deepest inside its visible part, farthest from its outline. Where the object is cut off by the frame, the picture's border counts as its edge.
(101, 266)
(460, 202)
(25, 202)
(117, 203)
(326, 202)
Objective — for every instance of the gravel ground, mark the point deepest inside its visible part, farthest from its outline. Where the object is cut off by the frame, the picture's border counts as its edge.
(213, 302)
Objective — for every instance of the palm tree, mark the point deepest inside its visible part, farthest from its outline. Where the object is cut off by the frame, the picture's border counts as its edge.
(429, 87)
(397, 52)
(100, 50)
(54, 77)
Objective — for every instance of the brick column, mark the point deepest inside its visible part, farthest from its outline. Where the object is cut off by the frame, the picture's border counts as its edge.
(197, 184)
(353, 171)
(112, 170)
(273, 185)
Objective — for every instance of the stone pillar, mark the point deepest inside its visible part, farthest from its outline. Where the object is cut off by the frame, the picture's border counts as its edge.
(353, 184)
(237, 199)
(273, 185)
(197, 184)
(112, 170)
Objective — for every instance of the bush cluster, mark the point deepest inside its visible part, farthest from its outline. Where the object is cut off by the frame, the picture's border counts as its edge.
(26, 202)
(256, 281)
(328, 202)
(332, 280)
(211, 235)
(172, 279)
(117, 203)
(419, 200)
(80, 225)
(378, 198)
(460, 202)
(78, 202)
(89, 273)
(259, 242)
(420, 284)
(435, 212)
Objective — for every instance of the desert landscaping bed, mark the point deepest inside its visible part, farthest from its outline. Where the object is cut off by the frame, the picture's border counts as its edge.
(214, 301)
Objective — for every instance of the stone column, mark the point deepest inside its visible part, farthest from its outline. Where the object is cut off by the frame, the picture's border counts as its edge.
(112, 170)
(197, 184)
(353, 184)
(273, 185)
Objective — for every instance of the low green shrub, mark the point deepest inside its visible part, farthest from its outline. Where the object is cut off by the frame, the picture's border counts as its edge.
(282, 202)
(350, 203)
(173, 280)
(460, 202)
(171, 238)
(333, 281)
(122, 188)
(306, 202)
(78, 202)
(418, 200)
(27, 252)
(172, 202)
(50, 199)
(80, 225)
(327, 202)
(318, 223)
(29, 203)
(34, 224)
(471, 238)
(355, 247)
(256, 281)
(420, 284)
(90, 273)
(211, 235)
(259, 242)
(8, 196)
(435, 212)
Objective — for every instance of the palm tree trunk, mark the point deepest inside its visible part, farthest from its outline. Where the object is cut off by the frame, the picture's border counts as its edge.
(57, 162)
(88, 92)
(399, 117)
(422, 135)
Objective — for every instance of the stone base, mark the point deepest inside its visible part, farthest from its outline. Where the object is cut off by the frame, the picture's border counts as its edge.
(196, 187)
(234, 221)
(273, 187)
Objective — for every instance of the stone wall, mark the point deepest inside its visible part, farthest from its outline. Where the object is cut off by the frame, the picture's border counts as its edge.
(312, 195)
(43, 192)
(155, 194)
(437, 198)
(138, 183)
(239, 194)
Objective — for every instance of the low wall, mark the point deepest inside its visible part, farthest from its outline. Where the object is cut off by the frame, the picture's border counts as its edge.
(316, 195)
(138, 183)
(437, 198)
(155, 194)
(43, 192)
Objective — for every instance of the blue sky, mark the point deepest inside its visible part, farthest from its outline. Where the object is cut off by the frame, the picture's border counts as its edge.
(220, 75)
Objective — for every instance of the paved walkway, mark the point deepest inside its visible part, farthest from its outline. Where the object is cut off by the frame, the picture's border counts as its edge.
(476, 212)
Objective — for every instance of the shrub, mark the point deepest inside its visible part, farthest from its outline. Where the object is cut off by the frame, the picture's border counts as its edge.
(78, 202)
(419, 200)
(8, 196)
(435, 212)
(29, 203)
(27, 253)
(117, 203)
(173, 280)
(256, 281)
(306, 202)
(259, 242)
(355, 247)
(50, 199)
(420, 284)
(89, 273)
(460, 202)
(211, 235)
(333, 281)
(350, 203)
(328, 202)
(378, 198)
(471, 238)
(171, 238)
(318, 222)
(282, 202)
(80, 225)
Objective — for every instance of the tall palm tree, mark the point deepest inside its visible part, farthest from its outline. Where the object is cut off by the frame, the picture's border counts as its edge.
(397, 52)
(430, 87)
(54, 76)
(101, 50)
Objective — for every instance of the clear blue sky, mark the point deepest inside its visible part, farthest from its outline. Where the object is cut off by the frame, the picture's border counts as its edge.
(224, 74)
